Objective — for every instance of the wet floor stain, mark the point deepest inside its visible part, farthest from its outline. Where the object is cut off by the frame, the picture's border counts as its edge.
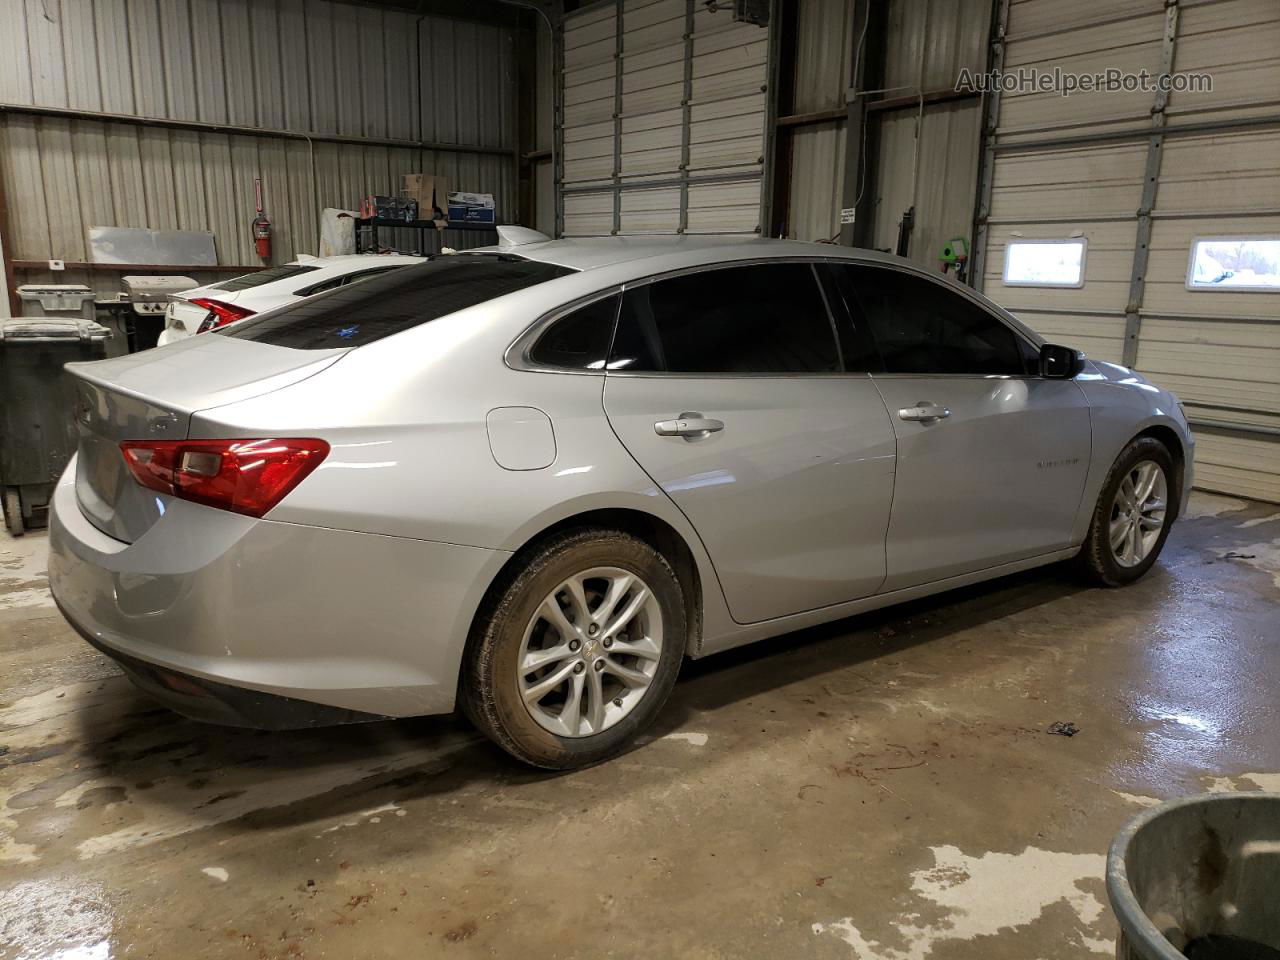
(879, 787)
(965, 898)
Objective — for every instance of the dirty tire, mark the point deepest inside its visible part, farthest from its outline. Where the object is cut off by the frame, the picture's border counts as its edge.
(1095, 560)
(13, 511)
(489, 690)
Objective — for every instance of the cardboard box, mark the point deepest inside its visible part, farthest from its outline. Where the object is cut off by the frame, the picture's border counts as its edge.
(472, 208)
(430, 191)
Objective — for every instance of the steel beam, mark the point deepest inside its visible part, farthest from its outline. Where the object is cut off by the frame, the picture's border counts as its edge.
(868, 35)
(201, 126)
(1150, 184)
(686, 117)
(986, 169)
(617, 118)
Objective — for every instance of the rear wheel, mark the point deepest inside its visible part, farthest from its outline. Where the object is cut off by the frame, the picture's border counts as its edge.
(577, 650)
(13, 511)
(1131, 520)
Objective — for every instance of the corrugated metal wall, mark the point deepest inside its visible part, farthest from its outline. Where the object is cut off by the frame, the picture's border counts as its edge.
(823, 44)
(664, 119)
(309, 66)
(929, 42)
(1218, 350)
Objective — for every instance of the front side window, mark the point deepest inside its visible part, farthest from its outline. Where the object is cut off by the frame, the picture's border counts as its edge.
(377, 307)
(750, 319)
(1234, 263)
(579, 340)
(923, 327)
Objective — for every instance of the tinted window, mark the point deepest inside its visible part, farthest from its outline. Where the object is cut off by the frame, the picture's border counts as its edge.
(857, 346)
(757, 318)
(578, 340)
(334, 282)
(269, 275)
(359, 313)
(922, 327)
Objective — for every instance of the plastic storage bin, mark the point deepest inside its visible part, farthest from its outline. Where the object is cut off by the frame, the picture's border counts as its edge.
(63, 300)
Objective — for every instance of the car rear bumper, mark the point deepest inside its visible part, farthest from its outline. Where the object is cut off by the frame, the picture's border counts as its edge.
(212, 702)
(224, 616)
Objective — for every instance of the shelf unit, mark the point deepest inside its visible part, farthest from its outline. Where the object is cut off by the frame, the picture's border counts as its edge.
(430, 238)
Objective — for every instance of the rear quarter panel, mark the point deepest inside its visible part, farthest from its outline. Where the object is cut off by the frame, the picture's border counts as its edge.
(411, 457)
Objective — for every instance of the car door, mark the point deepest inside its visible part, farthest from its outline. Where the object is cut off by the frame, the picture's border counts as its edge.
(991, 457)
(729, 388)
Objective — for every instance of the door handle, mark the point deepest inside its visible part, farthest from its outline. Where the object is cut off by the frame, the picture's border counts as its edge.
(691, 426)
(925, 411)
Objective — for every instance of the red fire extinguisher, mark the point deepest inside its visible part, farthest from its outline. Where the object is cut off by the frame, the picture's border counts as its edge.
(261, 225)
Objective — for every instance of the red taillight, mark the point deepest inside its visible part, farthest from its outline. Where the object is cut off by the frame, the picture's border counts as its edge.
(246, 476)
(220, 313)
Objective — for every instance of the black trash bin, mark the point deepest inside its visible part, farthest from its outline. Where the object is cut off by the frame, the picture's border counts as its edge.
(37, 400)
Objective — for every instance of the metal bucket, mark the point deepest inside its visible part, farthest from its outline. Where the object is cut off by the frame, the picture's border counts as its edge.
(1199, 878)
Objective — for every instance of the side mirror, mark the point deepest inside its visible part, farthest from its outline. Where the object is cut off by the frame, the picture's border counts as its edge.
(1060, 363)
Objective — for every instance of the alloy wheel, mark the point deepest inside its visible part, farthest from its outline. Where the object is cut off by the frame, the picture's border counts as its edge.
(590, 652)
(1138, 513)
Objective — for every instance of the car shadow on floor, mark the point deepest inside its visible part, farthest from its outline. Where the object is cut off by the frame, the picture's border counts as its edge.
(268, 779)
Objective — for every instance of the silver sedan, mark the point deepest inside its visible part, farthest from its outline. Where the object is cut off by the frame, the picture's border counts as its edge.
(532, 480)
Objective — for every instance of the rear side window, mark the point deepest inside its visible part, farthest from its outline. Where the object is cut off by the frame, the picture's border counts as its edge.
(754, 318)
(360, 313)
(341, 281)
(922, 327)
(269, 275)
(579, 340)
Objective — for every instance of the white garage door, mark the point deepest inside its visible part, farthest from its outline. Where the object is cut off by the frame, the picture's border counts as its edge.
(663, 119)
(1139, 177)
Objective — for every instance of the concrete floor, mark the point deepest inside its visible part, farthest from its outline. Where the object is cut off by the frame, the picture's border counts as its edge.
(882, 787)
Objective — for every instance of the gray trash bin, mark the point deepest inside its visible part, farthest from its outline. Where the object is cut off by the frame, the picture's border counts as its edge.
(1199, 878)
(37, 402)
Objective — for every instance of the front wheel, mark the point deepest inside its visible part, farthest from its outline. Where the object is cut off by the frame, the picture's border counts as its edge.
(577, 649)
(1131, 520)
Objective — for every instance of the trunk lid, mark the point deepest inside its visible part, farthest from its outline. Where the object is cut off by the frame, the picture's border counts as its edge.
(151, 396)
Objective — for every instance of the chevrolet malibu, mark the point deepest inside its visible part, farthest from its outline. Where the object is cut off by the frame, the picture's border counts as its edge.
(532, 480)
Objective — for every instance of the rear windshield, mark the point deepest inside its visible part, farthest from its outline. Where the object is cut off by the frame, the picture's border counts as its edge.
(269, 275)
(380, 306)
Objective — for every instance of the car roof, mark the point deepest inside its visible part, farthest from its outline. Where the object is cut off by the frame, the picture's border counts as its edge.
(359, 259)
(623, 259)
(588, 253)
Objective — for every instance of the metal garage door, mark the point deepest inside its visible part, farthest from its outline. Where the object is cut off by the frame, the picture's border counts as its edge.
(1139, 176)
(664, 110)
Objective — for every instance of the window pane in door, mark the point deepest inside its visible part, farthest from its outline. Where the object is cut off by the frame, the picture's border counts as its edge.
(923, 327)
(754, 318)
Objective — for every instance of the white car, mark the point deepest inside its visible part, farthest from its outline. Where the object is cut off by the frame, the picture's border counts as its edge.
(217, 304)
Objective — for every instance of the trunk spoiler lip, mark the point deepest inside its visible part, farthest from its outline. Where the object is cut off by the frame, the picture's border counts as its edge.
(322, 361)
